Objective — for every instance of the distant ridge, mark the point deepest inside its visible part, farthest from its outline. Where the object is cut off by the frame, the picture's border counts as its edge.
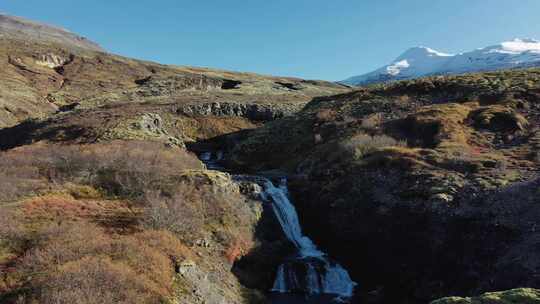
(21, 28)
(423, 61)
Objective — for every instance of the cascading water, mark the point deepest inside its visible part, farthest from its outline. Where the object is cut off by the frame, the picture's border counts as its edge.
(310, 271)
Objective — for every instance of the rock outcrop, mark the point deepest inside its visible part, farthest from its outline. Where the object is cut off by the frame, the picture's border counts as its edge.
(254, 112)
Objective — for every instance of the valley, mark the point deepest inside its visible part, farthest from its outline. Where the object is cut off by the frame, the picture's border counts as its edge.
(126, 181)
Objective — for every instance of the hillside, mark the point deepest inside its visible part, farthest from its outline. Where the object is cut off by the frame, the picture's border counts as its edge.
(48, 81)
(421, 188)
(52, 74)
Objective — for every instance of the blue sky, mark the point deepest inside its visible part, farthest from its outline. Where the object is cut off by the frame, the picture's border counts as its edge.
(316, 39)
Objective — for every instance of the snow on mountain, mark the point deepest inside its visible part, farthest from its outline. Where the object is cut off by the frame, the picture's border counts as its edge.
(422, 61)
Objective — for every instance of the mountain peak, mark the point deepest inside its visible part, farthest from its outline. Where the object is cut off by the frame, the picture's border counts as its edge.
(423, 61)
(421, 51)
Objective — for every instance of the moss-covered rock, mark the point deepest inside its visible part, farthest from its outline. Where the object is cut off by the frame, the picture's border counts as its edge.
(514, 296)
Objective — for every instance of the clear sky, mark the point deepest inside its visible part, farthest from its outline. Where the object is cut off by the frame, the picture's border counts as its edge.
(316, 39)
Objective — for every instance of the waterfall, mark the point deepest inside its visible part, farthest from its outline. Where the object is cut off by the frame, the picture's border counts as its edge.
(310, 271)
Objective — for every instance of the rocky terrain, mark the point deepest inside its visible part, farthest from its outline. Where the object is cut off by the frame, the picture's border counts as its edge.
(425, 188)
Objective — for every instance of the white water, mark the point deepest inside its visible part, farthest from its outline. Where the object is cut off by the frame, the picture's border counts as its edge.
(311, 271)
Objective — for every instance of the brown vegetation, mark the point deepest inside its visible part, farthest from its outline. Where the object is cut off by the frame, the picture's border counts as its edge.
(118, 168)
(112, 222)
(81, 263)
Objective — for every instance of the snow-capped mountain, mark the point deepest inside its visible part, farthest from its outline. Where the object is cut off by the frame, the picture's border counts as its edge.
(422, 61)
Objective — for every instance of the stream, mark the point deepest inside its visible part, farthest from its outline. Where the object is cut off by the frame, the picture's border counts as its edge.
(309, 276)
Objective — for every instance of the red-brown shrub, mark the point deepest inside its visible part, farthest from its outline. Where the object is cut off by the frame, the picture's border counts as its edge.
(196, 205)
(176, 213)
(94, 280)
(63, 207)
(81, 263)
(58, 244)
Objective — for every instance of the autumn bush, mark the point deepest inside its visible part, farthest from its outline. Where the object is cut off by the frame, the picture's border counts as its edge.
(11, 233)
(70, 200)
(193, 206)
(326, 115)
(18, 176)
(372, 122)
(175, 213)
(94, 280)
(122, 168)
(82, 263)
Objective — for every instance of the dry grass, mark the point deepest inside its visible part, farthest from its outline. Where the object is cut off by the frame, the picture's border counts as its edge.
(362, 144)
(112, 214)
(441, 124)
